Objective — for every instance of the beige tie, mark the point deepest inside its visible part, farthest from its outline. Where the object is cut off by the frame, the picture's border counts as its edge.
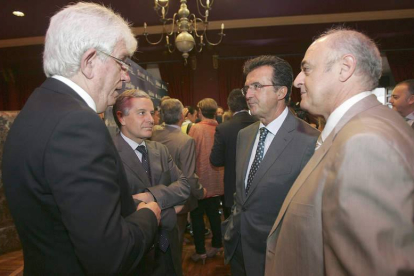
(319, 142)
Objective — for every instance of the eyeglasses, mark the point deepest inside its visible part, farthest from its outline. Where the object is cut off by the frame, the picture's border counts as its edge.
(124, 65)
(255, 87)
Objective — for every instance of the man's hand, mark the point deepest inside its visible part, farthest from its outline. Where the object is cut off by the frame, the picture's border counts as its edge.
(153, 206)
(145, 197)
(178, 208)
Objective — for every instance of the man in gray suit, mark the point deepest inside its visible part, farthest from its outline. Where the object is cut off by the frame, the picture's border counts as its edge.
(402, 100)
(285, 144)
(182, 149)
(152, 176)
(350, 211)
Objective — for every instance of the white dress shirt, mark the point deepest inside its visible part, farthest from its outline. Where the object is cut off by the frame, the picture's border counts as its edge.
(410, 118)
(273, 127)
(82, 93)
(340, 111)
(134, 145)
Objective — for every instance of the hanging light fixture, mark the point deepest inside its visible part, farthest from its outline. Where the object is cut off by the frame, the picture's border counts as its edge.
(184, 27)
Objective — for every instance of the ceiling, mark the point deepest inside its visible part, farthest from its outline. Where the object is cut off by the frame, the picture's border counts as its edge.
(252, 27)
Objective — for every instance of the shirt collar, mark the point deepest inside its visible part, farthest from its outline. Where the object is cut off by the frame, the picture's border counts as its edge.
(132, 143)
(410, 116)
(274, 126)
(174, 126)
(240, 111)
(340, 111)
(82, 93)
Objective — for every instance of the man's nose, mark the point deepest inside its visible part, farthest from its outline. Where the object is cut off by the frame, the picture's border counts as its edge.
(125, 76)
(299, 80)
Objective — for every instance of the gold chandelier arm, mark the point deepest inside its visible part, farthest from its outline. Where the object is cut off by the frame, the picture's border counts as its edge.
(163, 8)
(206, 7)
(194, 23)
(153, 43)
(221, 34)
(173, 24)
(170, 46)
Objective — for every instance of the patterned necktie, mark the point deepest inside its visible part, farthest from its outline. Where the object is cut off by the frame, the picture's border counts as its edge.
(319, 142)
(163, 242)
(144, 160)
(258, 158)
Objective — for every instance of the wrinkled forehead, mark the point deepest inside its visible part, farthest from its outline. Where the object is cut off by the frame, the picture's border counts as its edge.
(319, 50)
(142, 104)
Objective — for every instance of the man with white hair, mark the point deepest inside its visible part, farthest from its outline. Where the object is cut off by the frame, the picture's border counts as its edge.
(63, 178)
(350, 211)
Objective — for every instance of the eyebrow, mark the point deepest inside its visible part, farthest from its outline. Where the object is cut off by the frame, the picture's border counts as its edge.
(303, 64)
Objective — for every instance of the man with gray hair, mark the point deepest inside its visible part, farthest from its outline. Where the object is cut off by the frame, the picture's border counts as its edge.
(182, 149)
(350, 211)
(152, 176)
(64, 181)
(402, 100)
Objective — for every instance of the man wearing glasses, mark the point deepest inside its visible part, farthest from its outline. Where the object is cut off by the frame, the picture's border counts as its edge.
(64, 180)
(270, 155)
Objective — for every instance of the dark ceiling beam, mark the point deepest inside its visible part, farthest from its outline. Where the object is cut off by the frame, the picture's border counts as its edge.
(255, 22)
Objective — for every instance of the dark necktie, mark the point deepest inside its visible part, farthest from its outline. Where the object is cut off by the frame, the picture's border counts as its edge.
(162, 240)
(258, 158)
(144, 160)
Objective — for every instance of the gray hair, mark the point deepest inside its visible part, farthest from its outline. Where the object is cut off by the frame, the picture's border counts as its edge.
(78, 28)
(123, 102)
(171, 110)
(346, 41)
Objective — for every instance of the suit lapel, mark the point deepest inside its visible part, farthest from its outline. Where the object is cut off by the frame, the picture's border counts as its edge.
(247, 143)
(359, 107)
(130, 160)
(154, 160)
(279, 143)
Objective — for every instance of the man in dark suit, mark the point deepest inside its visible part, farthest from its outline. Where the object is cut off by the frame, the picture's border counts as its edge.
(182, 149)
(152, 176)
(270, 154)
(64, 181)
(224, 148)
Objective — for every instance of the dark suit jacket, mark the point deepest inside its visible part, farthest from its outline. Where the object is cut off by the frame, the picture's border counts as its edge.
(223, 152)
(182, 149)
(67, 190)
(253, 216)
(169, 186)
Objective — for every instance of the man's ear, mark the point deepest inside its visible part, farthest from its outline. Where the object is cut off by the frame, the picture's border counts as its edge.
(411, 99)
(120, 117)
(347, 67)
(88, 63)
(281, 92)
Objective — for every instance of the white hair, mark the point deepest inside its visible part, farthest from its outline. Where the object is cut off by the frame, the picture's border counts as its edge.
(78, 28)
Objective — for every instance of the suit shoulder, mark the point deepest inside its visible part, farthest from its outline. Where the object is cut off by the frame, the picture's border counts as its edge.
(249, 129)
(305, 128)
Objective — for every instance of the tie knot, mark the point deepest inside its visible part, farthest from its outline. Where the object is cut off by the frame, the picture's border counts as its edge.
(263, 133)
(142, 149)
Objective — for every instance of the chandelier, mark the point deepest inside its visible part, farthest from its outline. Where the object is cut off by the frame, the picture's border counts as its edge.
(184, 27)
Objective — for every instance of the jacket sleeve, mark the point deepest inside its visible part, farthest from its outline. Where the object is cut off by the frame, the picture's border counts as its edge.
(175, 193)
(84, 173)
(218, 152)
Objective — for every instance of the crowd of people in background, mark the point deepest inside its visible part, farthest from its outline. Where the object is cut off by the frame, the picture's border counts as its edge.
(282, 197)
